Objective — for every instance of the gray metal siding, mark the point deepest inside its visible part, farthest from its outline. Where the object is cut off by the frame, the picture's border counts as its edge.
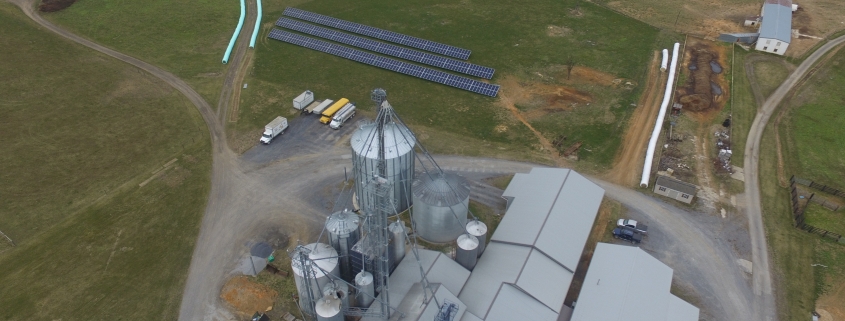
(545, 280)
(513, 304)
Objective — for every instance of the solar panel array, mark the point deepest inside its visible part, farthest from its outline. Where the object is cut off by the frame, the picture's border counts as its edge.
(387, 63)
(377, 33)
(388, 49)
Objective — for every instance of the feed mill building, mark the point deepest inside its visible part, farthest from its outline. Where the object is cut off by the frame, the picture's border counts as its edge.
(526, 269)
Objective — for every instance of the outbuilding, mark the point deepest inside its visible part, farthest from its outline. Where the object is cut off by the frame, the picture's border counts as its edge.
(776, 26)
(674, 189)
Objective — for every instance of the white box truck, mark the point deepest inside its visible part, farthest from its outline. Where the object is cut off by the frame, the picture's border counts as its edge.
(342, 116)
(273, 129)
(303, 100)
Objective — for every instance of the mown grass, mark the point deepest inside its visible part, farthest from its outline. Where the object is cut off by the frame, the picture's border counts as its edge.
(769, 76)
(187, 38)
(821, 217)
(742, 107)
(811, 139)
(80, 132)
(511, 37)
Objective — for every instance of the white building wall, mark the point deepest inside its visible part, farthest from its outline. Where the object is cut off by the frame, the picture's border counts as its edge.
(772, 46)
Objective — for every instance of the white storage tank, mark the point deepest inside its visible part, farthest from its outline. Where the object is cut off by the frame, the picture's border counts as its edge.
(397, 242)
(322, 257)
(343, 234)
(466, 253)
(399, 156)
(440, 206)
(366, 289)
(339, 290)
(329, 308)
(479, 230)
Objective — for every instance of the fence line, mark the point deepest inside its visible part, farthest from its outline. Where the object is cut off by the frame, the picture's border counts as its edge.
(821, 187)
(798, 213)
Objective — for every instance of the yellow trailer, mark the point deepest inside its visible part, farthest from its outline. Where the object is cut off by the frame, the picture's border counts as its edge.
(329, 112)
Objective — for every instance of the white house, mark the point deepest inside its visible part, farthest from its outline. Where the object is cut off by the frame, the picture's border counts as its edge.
(776, 26)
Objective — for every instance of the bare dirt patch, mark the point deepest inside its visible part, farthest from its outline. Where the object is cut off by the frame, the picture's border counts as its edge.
(706, 90)
(830, 305)
(541, 99)
(629, 160)
(247, 297)
(557, 31)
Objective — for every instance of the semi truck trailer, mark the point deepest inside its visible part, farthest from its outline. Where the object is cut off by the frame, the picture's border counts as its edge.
(329, 112)
(342, 116)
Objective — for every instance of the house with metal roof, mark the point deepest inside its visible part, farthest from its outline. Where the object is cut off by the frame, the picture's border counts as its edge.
(674, 189)
(776, 26)
(624, 283)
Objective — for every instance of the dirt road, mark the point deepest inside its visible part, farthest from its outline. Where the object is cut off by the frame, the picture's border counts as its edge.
(765, 307)
(629, 160)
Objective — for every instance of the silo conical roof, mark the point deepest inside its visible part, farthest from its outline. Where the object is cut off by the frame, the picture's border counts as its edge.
(441, 190)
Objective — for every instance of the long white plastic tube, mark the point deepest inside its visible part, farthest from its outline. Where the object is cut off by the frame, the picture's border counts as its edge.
(235, 35)
(257, 26)
(649, 154)
(665, 60)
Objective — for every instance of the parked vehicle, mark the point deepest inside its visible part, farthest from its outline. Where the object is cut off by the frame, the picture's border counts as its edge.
(628, 234)
(329, 112)
(319, 108)
(303, 100)
(273, 129)
(637, 226)
(342, 116)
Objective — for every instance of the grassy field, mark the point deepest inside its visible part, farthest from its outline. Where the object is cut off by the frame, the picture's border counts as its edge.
(810, 133)
(187, 38)
(80, 132)
(511, 37)
(769, 75)
(742, 107)
(821, 217)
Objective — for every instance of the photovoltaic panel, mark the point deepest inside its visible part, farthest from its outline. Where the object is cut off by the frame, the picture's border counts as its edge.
(388, 49)
(377, 33)
(387, 63)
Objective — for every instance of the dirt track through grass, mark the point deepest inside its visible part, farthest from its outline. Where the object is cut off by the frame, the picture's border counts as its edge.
(630, 157)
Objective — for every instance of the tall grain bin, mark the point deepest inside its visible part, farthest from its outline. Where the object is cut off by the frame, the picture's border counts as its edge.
(328, 308)
(467, 252)
(321, 257)
(367, 292)
(479, 230)
(397, 241)
(440, 206)
(399, 156)
(343, 234)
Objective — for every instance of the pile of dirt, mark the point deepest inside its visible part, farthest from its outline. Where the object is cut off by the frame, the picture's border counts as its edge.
(247, 297)
(705, 91)
(54, 5)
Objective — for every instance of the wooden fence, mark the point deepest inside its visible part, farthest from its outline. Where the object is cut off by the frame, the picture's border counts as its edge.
(798, 211)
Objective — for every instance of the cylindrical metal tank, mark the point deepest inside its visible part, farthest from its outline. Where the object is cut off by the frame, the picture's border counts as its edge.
(343, 234)
(399, 156)
(321, 257)
(340, 290)
(397, 241)
(328, 308)
(440, 207)
(467, 252)
(366, 289)
(479, 230)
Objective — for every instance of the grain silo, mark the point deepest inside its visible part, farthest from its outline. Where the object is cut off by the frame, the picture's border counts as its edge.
(366, 289)
(397, 143)
(479, 230)
(343, 234)
(339, 290)
(329, 308)
(318, 263)
(397, 242)
(441, 203)
(467, 252)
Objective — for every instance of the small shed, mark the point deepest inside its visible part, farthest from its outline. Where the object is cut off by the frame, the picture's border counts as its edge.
(746, 38)
(674, 189)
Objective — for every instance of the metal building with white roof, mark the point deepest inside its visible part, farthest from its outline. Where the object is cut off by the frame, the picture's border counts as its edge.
(626, 283)
(776, 27)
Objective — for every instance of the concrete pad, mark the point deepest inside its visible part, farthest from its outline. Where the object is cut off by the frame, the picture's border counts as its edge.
(738, 173)
(745, 265)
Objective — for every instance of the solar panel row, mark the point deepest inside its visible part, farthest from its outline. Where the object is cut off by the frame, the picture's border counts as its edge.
(388, 49)
(377, 33)
(387, 63)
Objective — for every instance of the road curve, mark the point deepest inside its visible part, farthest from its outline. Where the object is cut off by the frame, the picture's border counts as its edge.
(765, 307)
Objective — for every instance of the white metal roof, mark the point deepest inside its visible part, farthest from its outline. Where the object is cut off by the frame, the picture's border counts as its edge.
(777, 20)
(536, 247)
(626, 283)
(512, 304)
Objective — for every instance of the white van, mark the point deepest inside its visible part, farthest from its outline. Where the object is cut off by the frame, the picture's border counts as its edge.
(342, 116)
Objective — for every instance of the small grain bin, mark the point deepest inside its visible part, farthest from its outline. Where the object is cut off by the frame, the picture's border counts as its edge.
(320, 257)
(467, 252)
(366, 289)
(343, 234)
(397, 242)
(479, 230)
(339, 290)
(328, 308)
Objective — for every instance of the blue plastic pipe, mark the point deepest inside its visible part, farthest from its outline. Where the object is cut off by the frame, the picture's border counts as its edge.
(257, 26)
(235, 35)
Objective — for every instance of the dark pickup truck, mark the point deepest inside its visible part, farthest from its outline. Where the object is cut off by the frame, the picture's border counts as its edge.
(628, 234)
